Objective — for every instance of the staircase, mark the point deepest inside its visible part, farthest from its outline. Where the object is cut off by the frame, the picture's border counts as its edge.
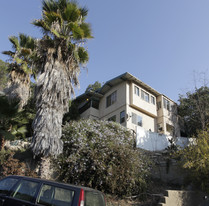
(183, 198)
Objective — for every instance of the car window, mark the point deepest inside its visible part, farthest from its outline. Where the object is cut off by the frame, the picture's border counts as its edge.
(26, 190)
(55, 196)
(7, 184)
(94, 199)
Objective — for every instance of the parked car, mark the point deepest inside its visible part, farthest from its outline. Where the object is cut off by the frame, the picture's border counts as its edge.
(27, 191)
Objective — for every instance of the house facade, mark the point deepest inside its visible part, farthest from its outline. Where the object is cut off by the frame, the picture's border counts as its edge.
(132, 103)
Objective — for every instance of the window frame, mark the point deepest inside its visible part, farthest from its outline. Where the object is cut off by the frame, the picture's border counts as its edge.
(137, 119)
(145, 96)
(136, 91)
(53, 194)
(111, 99)
(122, 118)
(153, 101)
(18, 188)
(166, 104)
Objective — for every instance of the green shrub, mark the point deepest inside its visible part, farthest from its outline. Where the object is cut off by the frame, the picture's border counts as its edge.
(100, 154)
(195, 160)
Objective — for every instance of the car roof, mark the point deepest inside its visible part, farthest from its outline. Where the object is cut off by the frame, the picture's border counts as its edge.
(54, 182)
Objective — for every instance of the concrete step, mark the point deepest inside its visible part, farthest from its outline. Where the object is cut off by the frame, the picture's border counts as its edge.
(182, 198)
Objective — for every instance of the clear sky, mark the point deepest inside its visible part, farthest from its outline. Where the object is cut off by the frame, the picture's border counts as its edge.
(161, 42)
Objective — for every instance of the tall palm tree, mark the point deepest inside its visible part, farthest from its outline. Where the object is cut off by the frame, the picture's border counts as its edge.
(61, 53)
(20, 68)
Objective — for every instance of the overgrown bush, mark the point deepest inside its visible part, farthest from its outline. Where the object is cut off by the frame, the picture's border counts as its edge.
(100, 154)
(195, 159)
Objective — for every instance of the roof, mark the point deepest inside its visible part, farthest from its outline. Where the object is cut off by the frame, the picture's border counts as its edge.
(115, 81)
(126, 77)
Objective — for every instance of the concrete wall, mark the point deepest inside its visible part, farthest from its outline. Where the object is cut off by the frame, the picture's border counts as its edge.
(90, 113)
(156, 142)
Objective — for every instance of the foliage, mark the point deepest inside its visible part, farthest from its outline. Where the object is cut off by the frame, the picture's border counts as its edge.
(3, 75)
(195, 158)
(13, 166)
(100, 154)
(93, 87)
(20, 69)
(13, 123)
(60, 54)
(194, 110)
(73, 113)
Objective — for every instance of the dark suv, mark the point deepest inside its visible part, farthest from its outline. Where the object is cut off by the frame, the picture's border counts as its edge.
(26, 191)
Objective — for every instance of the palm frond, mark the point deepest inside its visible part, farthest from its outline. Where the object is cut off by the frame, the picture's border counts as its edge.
(86, 30)
(49, 5)
(9, 53)
(26, 41)
(71, 13)
(15, 42)
(84, 11)
(83, 55)
(77, 32)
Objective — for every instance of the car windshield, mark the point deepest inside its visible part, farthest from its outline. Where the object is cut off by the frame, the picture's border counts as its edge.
(7, 184)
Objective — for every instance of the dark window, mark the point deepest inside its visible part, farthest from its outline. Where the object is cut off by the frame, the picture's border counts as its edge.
(56, 196)
(136, 119)
(122, 117)
(113, 118)
(94, 199)
(166, 104)
(153, 100)
(145, 96)
(26, 190)
(111, 99)
(136, 90)
(7, 184)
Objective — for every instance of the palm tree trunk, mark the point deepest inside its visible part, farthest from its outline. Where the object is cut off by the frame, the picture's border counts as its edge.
(45, 170)
(52, 100)
(18, 87)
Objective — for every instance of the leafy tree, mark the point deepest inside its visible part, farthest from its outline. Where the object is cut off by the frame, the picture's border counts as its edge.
(11, 124)
(3, 75)
(195, 157)
(100, 154)
(93, 87)
(194, 110)
(73, 113)
(20, 67)
(61, 53)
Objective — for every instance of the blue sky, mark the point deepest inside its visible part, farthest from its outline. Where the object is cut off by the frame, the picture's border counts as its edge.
(161, 42)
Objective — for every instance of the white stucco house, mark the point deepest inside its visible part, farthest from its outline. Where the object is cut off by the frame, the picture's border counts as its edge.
(132, 103)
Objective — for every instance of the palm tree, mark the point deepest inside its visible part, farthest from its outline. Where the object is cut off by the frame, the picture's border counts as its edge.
(20, 71)
(61, 53)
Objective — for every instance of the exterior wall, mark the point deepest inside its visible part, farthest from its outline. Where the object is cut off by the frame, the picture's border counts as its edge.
(148, 123)
(154, 116)
(140, 103)
(119, 105)
(90, 113)
(138, 106)
(167, 119)
(117, 114)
